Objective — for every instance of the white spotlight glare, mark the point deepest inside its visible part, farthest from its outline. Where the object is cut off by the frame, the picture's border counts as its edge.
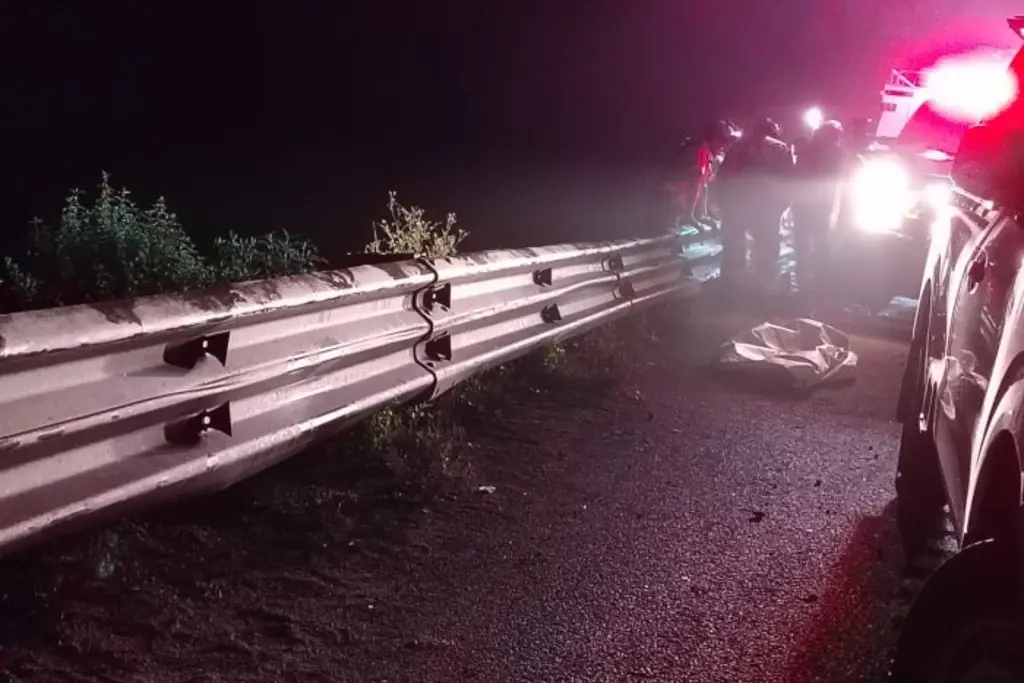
(814, 117)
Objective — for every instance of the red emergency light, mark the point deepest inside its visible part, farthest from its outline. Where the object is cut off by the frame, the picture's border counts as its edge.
(1017, 25)
(971, 87)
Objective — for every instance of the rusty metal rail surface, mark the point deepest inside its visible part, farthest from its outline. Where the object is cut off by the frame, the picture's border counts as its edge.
(151, 399)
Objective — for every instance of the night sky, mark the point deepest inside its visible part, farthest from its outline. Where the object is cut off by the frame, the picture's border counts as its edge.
(534, 120)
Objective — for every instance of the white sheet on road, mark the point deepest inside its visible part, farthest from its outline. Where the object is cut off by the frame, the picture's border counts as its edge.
(809, 351)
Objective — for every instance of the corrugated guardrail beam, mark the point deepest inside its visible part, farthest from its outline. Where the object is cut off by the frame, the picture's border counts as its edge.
(154, 398)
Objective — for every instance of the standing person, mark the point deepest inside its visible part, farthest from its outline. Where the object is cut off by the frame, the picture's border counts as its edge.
(717, 136)
(729, 134)
(817, 194)
(754, 187)
(860, 134)
(682, 193)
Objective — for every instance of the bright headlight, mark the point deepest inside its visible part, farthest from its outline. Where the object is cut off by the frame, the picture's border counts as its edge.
(881, 195)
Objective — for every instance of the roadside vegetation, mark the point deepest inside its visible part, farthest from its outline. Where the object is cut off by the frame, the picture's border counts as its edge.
(112, 247)
(107, 245)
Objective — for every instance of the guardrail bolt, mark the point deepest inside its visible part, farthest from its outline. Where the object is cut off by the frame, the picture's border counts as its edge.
(187, 355)
(551, 314)
(438, 349)
(615, 263)
(189, 432)
(438, 295)
(626, 290)
(543, 277)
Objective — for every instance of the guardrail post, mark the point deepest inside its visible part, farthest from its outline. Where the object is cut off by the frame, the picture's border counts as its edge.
(543, 277)
(625, 289)
(438, 295)
(551, 314)
(189, 432)
(438, 349)
(432, 348)
(186, 355)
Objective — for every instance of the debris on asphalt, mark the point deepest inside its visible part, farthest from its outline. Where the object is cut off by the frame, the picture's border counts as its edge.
(756, 516)
(803, 352)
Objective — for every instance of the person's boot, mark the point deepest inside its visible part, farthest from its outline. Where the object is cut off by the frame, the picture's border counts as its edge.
(709, 225)
(686, 227)
(698, 223)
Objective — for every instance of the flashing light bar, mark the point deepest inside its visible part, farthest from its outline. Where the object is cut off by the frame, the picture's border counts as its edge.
(936, 155)
(1017, 25)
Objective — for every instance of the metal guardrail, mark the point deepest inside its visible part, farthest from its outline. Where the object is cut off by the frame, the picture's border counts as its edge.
(141, 401)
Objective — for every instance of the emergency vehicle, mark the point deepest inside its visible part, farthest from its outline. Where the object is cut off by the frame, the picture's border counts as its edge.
(899, 183)
(902, 177)
(961, 455)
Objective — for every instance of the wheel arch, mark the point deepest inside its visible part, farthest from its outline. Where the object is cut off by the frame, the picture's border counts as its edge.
(995, 497)
(922, 317)
(1002, 435)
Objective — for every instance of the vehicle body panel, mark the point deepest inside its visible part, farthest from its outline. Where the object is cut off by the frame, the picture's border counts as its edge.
(952, 379)
(974, 385)
(1000, 334)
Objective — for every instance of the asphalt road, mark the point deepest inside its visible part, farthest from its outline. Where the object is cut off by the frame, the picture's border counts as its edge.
(680, 528)
(681, 531)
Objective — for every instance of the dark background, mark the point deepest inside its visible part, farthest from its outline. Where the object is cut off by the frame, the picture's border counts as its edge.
(534, 120)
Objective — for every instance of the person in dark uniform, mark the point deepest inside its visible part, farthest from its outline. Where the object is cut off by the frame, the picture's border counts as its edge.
(819, 173)
(732, 135)
(754, 185)
(859, 135)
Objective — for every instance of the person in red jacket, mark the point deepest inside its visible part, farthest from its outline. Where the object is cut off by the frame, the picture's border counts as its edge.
(693, 187)
(683, 191)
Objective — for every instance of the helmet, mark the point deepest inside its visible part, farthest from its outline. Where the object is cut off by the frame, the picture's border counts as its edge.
(766, 128)
(829, 133)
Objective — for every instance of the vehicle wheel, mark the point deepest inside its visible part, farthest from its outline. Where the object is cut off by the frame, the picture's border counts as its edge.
(964, 627)
(920, 494)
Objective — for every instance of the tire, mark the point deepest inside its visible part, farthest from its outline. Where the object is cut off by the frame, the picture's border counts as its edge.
(920, 493)
(964, 626)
